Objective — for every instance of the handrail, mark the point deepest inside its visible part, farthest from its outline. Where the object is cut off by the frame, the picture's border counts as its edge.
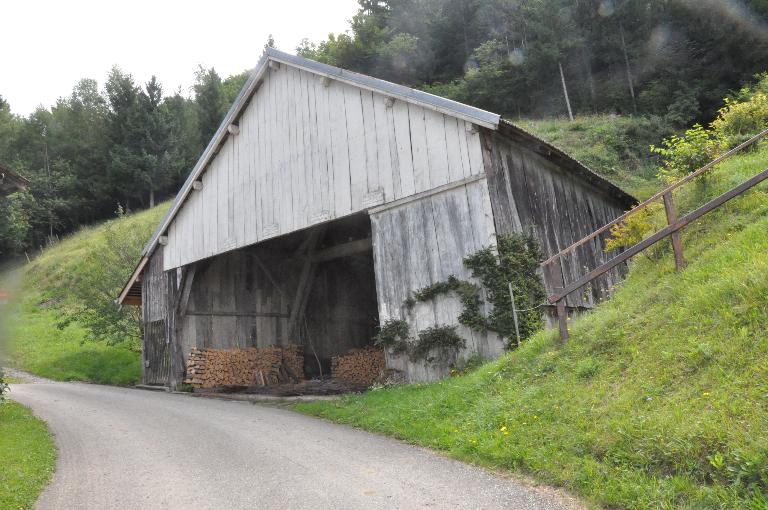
(655, 197)
(658, 236)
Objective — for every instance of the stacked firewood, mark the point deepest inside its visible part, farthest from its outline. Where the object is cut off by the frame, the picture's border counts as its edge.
(359, 366)
(210, 368)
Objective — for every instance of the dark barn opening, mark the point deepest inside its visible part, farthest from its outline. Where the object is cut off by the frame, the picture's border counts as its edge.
(315, 288)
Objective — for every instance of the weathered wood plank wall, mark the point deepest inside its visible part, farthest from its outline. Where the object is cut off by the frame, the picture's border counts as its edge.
(423, 242)
(527, 190)
(154, 349)
(308, 153)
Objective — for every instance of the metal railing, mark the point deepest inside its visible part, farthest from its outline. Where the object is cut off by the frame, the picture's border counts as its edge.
(672, 230)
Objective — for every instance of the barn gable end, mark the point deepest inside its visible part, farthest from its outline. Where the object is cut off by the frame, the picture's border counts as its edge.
(310, 149)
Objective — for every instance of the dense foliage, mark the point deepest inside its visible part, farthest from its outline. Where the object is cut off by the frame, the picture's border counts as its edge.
(671, 59)
(124, 145)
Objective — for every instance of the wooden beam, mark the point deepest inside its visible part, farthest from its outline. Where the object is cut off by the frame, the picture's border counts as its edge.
(677, 243)
(219, 313)
(305, 281)
(267, 272)
(428, 193)
(344, 250)
(184, 299)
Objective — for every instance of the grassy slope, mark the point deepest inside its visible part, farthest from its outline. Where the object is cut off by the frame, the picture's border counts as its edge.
(27, 456)
(37, 345)
(660, 400)
(616, 147)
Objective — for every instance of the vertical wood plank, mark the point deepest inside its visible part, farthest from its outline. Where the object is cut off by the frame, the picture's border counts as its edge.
(437, 150)
(404, 156)
(419, 149)
(356, 137)
(342, 194)
(373, 181)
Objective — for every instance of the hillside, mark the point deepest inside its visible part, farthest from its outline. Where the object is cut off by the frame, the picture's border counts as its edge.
(46, 333)
(660, 399)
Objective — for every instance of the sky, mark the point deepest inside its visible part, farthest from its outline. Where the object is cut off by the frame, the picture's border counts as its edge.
(47, 46)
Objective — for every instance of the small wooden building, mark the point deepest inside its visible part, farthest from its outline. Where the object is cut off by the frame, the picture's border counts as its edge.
(11, 182)
(326, 197)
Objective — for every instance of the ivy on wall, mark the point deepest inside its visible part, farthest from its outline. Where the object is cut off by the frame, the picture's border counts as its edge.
(515, 262)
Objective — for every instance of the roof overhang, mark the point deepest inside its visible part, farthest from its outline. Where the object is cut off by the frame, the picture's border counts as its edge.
(131, 292)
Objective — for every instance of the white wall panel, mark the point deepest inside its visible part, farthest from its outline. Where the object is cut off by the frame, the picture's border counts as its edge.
(309, 152)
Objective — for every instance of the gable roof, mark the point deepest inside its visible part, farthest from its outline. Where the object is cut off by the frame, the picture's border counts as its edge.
(442, 105)
(11, 182)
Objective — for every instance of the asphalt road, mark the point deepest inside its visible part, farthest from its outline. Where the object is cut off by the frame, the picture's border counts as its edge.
(135, 449)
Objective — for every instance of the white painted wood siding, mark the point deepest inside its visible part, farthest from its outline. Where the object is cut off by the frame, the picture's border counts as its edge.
(422, 242)
(308, 153)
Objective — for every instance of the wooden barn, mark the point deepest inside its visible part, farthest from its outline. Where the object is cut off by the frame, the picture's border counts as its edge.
(326, 197)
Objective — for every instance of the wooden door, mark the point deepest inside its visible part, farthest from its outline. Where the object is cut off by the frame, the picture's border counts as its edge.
(156, 354)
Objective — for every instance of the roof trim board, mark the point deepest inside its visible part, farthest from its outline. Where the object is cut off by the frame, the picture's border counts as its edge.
(447, 106)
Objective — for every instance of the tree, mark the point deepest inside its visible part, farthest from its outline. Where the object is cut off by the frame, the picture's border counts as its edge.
(210, 101)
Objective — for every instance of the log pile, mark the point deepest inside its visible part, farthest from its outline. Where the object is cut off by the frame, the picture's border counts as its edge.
(359, 366)
(210, 368)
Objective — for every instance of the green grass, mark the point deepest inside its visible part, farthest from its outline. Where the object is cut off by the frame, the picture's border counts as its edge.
(34, 339)
(38, 346)
(660, 399)
(27, 456)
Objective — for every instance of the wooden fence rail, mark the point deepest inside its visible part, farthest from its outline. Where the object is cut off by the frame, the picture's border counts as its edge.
(672, 230)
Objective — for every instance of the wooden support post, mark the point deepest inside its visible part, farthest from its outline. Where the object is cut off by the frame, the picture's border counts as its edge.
(677, 244)
(514, 313)
(562, 318)
(305, 282)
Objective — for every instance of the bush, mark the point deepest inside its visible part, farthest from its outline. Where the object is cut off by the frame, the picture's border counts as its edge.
(3, 386)
(96, 283)
(687, 153)
(744, 115)
(738, 122)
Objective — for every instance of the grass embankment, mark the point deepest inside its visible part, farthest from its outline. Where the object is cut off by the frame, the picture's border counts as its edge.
(43, 299)
(27, 457)
(615, 147)
(660, 399)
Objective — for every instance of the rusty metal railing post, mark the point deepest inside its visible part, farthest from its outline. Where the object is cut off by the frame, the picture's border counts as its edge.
(677, 243)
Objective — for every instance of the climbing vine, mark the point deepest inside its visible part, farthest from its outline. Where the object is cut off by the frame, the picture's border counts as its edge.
(514, 263)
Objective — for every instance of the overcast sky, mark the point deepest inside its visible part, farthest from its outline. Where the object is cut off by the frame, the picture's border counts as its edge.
(47, 46)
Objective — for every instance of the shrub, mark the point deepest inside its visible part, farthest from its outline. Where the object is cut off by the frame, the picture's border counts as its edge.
(684, 154)
(634, 229)
(443, 338)
(517, 264)
(393, 335)
(3, 386)
(737, 122)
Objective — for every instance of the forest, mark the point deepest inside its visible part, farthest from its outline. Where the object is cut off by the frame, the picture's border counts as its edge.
(122, 145)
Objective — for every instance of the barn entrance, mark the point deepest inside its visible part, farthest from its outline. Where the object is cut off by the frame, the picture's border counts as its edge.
(304, 301)
(334, 300)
